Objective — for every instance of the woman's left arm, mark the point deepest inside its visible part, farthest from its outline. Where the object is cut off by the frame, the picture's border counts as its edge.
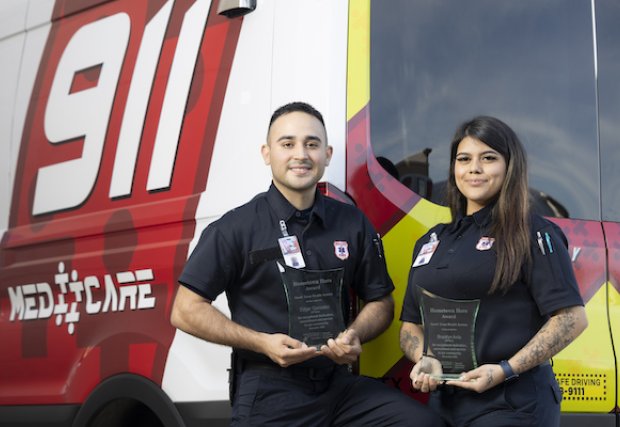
(560, 330)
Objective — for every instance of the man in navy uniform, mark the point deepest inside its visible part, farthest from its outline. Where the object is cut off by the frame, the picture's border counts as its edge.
(280, 379)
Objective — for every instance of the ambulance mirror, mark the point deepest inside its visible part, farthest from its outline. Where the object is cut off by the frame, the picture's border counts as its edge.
(235, 8)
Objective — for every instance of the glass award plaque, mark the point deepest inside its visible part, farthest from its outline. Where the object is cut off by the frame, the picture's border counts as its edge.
(449, 327)
(314, 300)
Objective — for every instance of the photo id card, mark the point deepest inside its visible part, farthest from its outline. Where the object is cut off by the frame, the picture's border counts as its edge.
(427, 251)
(291, 251)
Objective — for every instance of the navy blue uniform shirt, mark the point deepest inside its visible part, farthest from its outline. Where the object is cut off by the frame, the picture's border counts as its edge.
(237, 255)
(463, 266)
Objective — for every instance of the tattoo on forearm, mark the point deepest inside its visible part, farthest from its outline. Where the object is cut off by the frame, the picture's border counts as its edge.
(409, 344)
(489, 377)
(556, 334)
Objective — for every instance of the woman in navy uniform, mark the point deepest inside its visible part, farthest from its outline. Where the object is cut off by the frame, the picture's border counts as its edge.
(515, 265)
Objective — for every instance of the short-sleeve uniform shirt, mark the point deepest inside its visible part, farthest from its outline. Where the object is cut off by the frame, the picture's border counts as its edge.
(238, 255)
(463, 265)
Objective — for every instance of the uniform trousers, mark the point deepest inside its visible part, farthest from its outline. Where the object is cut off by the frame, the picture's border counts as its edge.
(532, 399)
(268, 395)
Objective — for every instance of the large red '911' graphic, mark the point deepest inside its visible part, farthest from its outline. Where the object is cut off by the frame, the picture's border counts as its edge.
(115, 152)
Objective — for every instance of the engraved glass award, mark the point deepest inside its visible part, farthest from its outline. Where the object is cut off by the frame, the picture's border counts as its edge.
(449, 332)
(314, 300)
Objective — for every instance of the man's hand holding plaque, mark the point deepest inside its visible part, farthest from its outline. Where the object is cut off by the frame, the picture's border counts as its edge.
(344, 349)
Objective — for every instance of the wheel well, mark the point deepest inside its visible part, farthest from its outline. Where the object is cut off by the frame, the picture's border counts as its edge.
(128, 400)
(125, 413)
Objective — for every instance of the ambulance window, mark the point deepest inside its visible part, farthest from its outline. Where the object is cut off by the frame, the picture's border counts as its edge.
(608, 35)
(435, 64)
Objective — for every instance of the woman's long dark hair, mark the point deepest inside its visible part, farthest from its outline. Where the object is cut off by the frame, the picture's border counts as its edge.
(510, 215)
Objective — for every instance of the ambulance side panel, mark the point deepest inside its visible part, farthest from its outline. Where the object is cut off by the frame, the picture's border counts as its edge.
(131, 125)
(550, 71)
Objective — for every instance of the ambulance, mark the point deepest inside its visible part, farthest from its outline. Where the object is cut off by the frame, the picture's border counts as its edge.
(127, 126)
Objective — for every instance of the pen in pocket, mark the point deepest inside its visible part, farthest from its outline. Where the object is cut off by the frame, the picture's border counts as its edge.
(548, 239)
(540, 243)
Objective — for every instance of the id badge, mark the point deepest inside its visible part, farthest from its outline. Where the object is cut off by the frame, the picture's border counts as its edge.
(427, 251)
(291, 252)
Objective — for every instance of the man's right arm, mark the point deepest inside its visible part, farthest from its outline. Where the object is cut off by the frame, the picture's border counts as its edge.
(195, 315)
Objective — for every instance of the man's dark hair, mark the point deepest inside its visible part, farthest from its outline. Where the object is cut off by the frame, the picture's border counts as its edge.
(296, 106)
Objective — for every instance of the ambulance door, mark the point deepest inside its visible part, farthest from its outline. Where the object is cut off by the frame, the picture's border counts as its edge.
(428, 67)
(608, 35)
(118, 132)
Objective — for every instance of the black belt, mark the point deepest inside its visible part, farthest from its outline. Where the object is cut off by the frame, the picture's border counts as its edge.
(297, 372)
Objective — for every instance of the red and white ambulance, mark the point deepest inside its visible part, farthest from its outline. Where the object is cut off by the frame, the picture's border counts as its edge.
(127, 126)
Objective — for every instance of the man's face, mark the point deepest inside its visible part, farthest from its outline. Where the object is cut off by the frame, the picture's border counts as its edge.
(297, 152)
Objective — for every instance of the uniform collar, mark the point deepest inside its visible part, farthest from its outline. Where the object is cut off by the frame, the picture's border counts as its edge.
(284, 210)
(481, 218)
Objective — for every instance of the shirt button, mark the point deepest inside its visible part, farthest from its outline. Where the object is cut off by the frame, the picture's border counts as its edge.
(308, 253)
(297, 214)
(450, 251)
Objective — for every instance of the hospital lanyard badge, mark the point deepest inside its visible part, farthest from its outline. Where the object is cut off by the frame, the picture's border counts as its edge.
(427, 251)
(291, 250)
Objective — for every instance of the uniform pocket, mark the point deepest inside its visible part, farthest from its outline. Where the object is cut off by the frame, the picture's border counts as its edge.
(247, 388)
(557, 392)
(280, 401)
(521, 395)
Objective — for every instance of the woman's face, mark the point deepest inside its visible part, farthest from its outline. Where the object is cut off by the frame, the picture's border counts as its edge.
(479, 172)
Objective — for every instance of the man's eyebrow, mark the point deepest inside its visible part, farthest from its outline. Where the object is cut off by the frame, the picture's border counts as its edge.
(306, 138)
